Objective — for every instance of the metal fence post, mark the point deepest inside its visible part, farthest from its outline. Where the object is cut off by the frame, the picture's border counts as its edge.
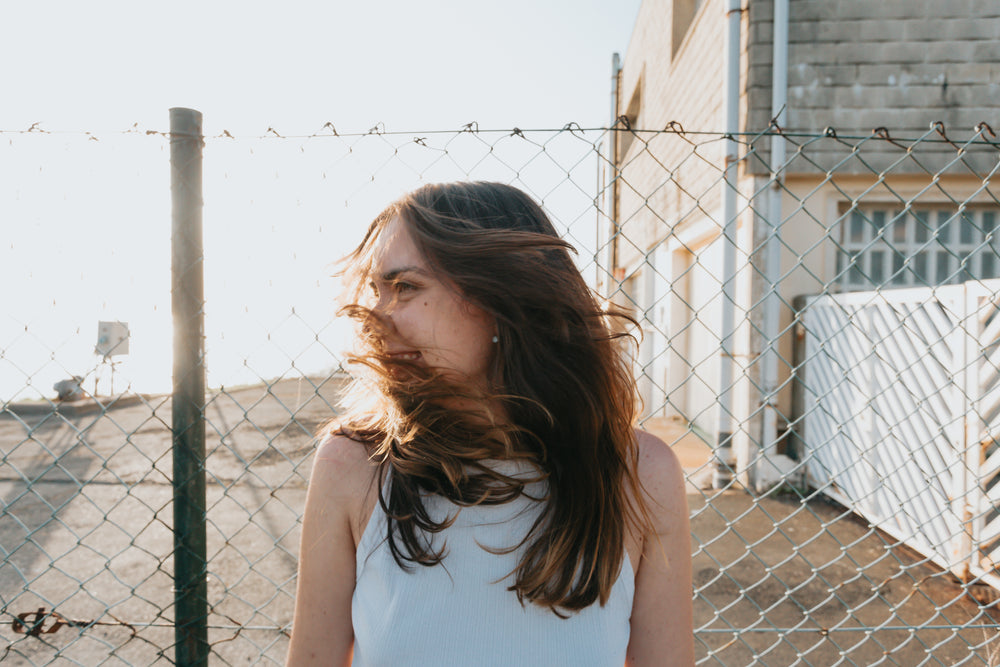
(966, 540)
(187, 284)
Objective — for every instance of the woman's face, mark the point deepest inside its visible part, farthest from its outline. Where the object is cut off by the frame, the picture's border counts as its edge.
(429, 321)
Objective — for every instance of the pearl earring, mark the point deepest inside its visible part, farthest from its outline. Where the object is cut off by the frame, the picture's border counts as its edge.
(496, 340)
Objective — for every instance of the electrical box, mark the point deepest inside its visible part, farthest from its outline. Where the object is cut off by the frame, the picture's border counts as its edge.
(112, 339)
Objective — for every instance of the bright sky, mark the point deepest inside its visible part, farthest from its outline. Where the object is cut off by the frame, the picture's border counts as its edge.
(86, 223)
(250, 65)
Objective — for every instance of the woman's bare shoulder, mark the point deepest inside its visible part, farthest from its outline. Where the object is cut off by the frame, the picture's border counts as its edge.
(661, 474)
(341, 450)
(342, 467)
(341, 471)
(656, 459)
(343, 481)
(662, 629)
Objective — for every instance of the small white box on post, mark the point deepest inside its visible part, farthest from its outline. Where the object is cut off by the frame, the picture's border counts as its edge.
(112, 341)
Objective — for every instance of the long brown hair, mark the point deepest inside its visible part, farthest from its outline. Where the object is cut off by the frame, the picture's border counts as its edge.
(565, 388)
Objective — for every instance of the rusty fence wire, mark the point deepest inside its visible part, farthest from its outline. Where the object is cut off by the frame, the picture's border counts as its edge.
(822, 350)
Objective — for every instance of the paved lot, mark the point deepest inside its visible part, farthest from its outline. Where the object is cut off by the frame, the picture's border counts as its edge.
(786, 578)
(86, 515)
(84, 530)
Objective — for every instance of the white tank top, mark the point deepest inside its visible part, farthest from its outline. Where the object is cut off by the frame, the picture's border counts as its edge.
(459, 612)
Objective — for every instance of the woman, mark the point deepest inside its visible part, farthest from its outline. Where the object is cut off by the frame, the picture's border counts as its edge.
(487, 500)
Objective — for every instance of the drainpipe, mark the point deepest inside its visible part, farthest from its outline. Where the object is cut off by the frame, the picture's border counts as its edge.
(724, 444)
(772, 251)
(611, 259)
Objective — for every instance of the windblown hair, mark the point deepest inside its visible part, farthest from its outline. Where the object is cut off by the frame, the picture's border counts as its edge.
(559, 372)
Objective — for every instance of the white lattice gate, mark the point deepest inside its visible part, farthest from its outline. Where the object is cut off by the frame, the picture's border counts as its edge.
(901, 414)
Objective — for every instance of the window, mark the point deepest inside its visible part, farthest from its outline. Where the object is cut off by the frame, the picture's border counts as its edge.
(887, 247)
(683, 14)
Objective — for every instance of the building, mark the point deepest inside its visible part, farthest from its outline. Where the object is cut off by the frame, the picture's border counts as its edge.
(854, 210)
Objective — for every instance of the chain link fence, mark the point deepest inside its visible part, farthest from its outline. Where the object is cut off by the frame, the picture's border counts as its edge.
(842, 494)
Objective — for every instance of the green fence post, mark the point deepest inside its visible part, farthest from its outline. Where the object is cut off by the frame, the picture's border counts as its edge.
(187, 284)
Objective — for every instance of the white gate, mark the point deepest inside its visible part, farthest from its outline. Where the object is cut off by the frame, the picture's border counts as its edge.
(902, 415)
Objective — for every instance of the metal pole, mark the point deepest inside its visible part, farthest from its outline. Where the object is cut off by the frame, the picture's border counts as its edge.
(190, 586)
(772, 253)
(724, 445)
(612, 248)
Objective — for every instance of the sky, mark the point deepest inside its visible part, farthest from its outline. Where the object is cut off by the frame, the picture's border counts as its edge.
(296, 65)
(85, 206)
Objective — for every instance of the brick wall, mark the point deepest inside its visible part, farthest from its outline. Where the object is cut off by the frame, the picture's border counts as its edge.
(856, 65)
(664, 81)
(670, 203)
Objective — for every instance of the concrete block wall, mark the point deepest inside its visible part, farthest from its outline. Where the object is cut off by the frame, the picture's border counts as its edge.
(856, 65)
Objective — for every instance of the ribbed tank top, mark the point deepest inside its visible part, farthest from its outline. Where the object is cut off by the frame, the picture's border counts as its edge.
(460, 612)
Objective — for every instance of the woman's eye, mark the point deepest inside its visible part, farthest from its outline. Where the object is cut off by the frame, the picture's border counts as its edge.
(405, 287)
(374, 289)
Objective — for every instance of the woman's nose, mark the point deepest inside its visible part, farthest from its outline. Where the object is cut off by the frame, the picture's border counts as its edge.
(376, 327)
(379, 321)
(383, 305)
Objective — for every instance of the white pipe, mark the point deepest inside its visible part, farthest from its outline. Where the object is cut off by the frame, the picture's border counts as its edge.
(724, 451)
(772, 254)
(616, 68)
(611, 256)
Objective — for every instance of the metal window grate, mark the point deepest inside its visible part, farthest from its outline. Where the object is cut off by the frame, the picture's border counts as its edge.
(923, 246)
